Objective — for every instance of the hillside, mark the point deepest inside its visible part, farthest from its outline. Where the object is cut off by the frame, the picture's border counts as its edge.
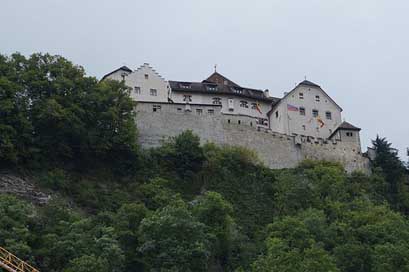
(182, 206)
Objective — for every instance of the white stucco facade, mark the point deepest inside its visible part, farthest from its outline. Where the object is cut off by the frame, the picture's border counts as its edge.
(146, 84)
(306, 110)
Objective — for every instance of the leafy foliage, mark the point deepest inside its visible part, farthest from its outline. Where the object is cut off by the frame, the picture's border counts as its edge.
(182, 206)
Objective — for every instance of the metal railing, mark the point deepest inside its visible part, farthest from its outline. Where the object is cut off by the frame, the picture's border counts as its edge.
(11, 263)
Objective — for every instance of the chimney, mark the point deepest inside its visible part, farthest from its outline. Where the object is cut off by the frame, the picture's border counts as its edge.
(266, 93)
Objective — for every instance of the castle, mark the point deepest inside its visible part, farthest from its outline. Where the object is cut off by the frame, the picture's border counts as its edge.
(305, 123)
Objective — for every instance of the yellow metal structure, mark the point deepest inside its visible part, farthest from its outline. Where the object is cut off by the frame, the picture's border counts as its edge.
(13, 264)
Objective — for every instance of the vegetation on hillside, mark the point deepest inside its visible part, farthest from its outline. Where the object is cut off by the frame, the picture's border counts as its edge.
(182, 206)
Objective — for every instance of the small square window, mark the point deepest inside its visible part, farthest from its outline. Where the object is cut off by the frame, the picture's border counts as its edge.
(317, 98)
(210, 112)
(199, 111)
(153, 92)
(315, 113)
(146, 76)
(156, 108)
(137, 90)
(301, 95)
(302, 111)
(179, 109)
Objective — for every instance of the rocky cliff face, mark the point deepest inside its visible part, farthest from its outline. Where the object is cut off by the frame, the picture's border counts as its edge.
(22, 187)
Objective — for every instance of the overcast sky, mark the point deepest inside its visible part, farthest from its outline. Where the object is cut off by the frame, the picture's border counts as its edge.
(357, 50)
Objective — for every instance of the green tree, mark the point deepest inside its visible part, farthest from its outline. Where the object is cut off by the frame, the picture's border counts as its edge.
(173, 240)
(393, 169)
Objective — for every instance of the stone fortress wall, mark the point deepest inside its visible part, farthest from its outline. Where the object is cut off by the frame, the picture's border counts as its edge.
(274, 149)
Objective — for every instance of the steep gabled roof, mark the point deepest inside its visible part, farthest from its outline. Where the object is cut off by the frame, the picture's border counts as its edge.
(344, 126)
(312, 84)
(123, 68)
(309, 83)
(219, 79)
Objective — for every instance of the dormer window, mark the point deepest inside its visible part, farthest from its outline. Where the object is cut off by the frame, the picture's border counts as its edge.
(212, 88)
(216, 101)
(301, 95)
(238, 90)
(317, 98)
(185, 86)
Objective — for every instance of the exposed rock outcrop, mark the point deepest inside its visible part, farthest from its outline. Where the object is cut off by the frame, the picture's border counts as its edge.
(22, 187)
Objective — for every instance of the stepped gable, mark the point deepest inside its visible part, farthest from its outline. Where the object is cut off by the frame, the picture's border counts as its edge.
(219, 84)
(123, 68)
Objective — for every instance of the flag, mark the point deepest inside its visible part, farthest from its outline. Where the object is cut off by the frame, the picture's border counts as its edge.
(258, 108)
(291, 108)
(320, 122)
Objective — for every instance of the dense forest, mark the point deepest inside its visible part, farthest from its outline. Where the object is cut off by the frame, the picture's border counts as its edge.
(182, 206)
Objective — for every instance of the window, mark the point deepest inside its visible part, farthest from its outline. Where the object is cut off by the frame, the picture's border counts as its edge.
(238, 90)
(244, 104)
(137, 90)
(303, 127)
(276, 114)
(187, 98)
(301, 95)
(212, 88)
(254, 106)
(156, 108)
(217, 101)
(302, 111)
(317, 98)
(210, 112)
(199, 111)
(315, 113)
(228, 121)
(349, 134)
(179, 109)
(146, 76)
(185, 85)
(239, 122)
(153, 92)
(328, 115)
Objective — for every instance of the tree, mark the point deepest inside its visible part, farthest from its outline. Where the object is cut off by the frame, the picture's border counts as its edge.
(51, 111)
(173, 240)
(394, 172)
(216, 213)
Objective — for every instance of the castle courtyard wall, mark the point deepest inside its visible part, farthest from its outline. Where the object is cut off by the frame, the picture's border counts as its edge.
(275, 150)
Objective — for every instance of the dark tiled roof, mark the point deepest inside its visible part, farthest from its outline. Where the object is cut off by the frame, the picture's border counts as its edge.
(123, 68)
(212, 88)
(309, 83)
(345, 126)
(219, 79)
(348, 126)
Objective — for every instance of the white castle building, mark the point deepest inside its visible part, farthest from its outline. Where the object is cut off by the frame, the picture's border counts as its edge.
(305, 114)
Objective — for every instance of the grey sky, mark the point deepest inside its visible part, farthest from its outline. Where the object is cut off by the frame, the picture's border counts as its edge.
(356, 50)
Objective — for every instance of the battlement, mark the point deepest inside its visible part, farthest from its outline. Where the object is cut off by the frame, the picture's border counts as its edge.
(159, 121)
